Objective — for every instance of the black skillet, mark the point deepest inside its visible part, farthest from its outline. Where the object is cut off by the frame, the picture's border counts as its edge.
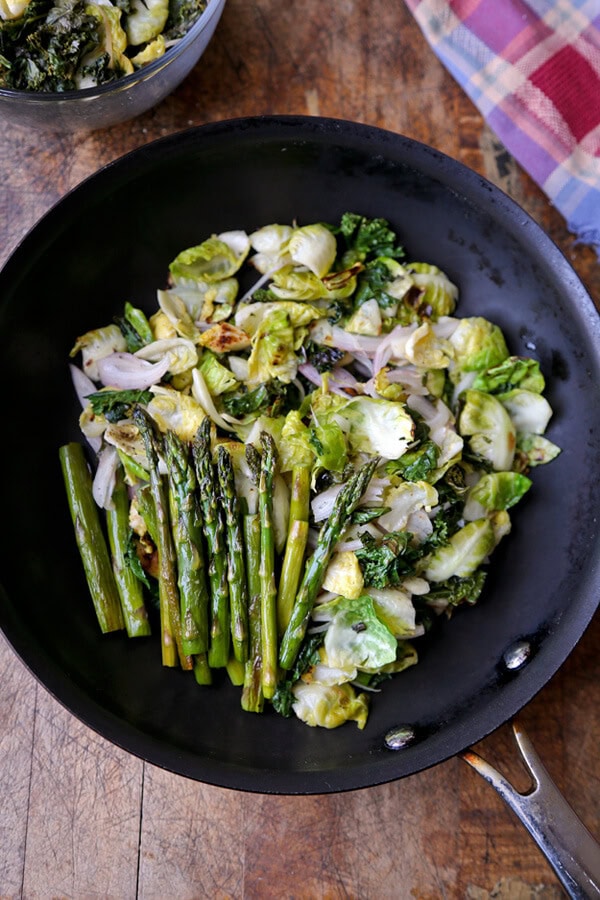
(110, 240)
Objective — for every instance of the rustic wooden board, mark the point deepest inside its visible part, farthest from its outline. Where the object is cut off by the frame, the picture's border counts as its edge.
(81, 818)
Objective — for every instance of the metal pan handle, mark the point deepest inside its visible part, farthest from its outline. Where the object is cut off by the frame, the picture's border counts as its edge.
(562, 837)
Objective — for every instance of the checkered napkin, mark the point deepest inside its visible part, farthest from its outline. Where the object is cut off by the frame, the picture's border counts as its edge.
(532, 67)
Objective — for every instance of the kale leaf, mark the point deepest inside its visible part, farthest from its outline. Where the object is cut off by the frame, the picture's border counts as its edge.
(367, 239)
(457, 590)
(44, 47)
(115, 405)
(307, 657)
(182, 14)
(415, 465)
(273, 398)
(321, 357)
(387, 561)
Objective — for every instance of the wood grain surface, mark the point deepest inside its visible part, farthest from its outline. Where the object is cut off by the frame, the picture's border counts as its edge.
(83, 819)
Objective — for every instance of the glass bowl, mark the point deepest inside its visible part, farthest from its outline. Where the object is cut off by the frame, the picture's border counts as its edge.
(109, 104)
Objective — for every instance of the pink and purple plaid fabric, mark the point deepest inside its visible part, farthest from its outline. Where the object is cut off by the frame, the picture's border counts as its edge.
(532, 67)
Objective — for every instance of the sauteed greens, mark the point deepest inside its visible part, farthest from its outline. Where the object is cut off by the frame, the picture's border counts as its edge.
(305, 476)
(74, 44)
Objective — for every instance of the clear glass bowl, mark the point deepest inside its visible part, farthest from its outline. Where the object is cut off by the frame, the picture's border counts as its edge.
(109, 104)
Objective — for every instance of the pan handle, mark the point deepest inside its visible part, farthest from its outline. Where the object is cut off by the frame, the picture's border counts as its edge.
(559, 833)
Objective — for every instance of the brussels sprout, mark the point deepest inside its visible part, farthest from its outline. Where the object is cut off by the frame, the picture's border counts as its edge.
(153, 50)
(344, 575)
(225, 338)
(178, 315)
(181, 354)
(515, 371)
(96, 345)
(478, 345)
(251, 316)
(530, 412)
(400, 279)
(355, 636)
(406, 656)
(463, 554)
(329, 443)
(146, 20)
(126, 438)
(212, 260)
(405, 499)
(218, 377)
(295, 448)
(113, 39)
(291, 284)
(426, 350)
(272, 354)
(395, 609)
(175, 411)
(313, 246)
(366, 319)
(438, 291)
(329, 705)
(491, 430)
(270, 243)
(495, 491)
(535, 450)
(389, 390)
(377, 427)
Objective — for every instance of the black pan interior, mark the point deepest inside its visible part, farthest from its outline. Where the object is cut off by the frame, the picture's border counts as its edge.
(111, 240)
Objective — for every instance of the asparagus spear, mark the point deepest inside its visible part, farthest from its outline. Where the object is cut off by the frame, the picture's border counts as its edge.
(268, 587)
(129, 586)
(295, 548)
(202, 671)
(212, 526)
(171, 642)
(187, 537)
(252, 696)
(345, 504)
(90, 538)
(238, 592)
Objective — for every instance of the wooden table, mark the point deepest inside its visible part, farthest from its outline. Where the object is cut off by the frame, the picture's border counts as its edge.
(81, 818)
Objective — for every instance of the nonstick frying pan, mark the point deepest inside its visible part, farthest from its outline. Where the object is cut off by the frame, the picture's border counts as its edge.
(111, 240)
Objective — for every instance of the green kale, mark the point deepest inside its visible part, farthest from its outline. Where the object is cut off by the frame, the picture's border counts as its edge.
(273, 398)
(182, 15)
(368, 514)
(307, 657)
(367, 239)
(45, 46)
(415, 465)
(133, 339)
(323, 358)
(451, 489)
(388, 561)
(371, 284)
(457, 590)
(115, 405)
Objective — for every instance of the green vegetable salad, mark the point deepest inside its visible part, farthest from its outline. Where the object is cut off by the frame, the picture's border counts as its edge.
(298, 480)
(63, 45)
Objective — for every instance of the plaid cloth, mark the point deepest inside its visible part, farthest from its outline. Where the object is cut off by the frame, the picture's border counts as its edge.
(532, 67)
